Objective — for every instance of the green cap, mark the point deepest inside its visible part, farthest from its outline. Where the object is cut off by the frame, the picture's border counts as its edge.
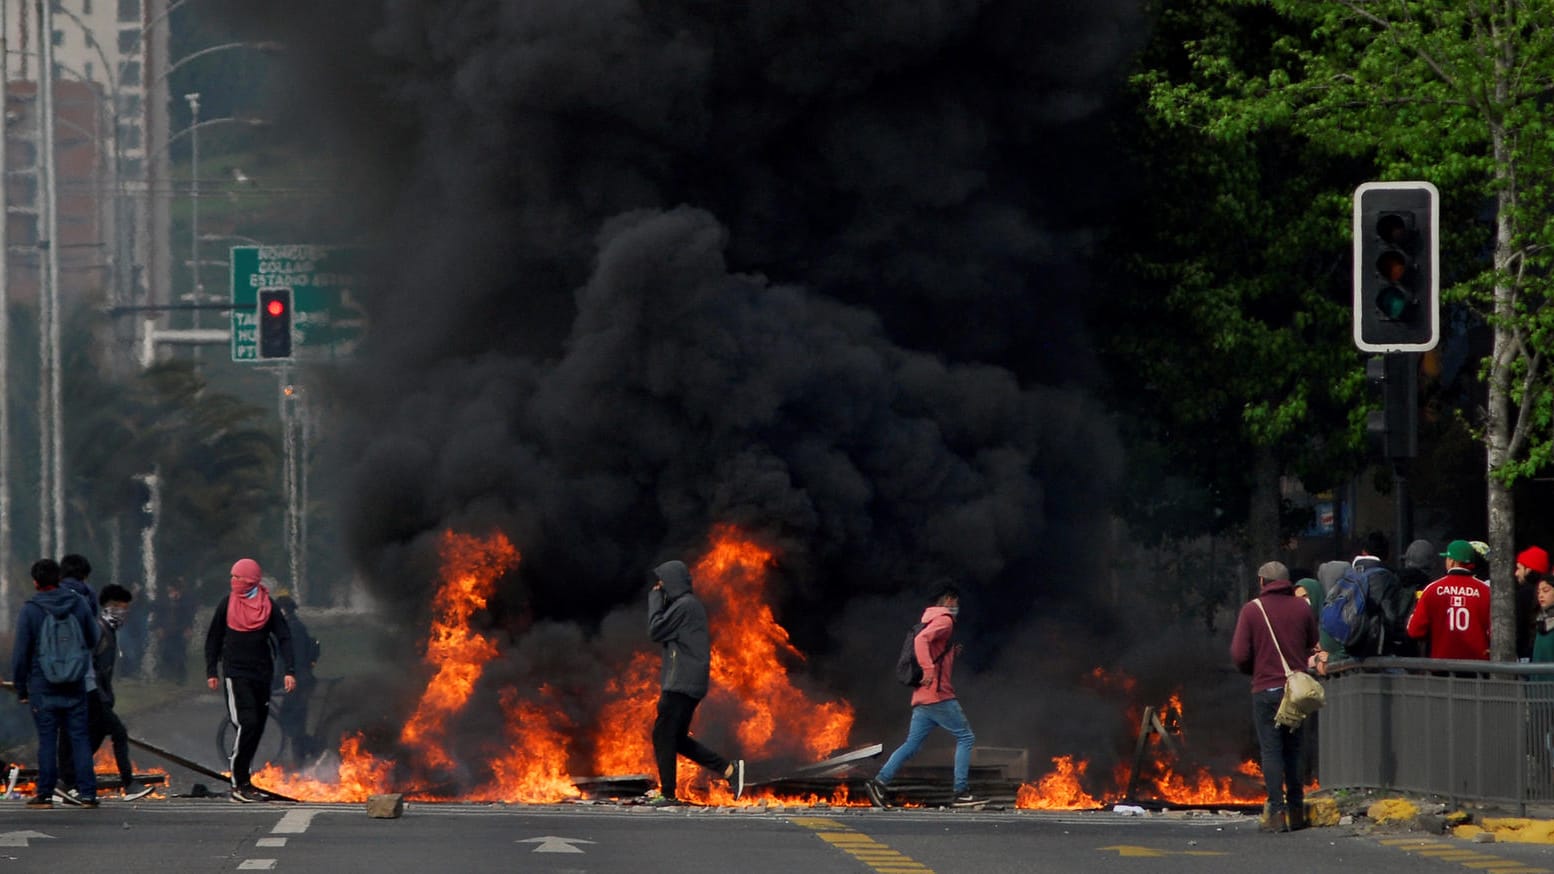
(1460, 551)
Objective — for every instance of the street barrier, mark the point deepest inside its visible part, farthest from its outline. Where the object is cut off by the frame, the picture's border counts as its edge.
(1466, 730)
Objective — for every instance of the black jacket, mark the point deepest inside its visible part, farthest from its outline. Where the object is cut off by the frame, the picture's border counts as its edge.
(247, 655)
(677, 619)
(104, 658)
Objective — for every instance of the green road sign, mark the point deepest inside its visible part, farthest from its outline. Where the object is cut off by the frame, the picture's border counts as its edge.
(328, 320)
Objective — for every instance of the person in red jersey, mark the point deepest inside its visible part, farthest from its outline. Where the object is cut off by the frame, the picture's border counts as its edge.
(1453, 612)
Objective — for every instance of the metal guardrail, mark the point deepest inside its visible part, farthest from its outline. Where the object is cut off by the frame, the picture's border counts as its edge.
(1467, 730)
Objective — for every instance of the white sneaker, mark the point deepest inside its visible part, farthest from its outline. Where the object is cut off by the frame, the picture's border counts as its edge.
(736, 778)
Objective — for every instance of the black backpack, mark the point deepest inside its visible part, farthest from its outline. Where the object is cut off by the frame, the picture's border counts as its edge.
(908, 671)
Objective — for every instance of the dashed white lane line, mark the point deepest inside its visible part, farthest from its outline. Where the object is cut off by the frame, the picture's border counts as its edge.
(295, 822)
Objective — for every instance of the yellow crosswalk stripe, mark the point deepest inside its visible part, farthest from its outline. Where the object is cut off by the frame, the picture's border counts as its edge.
(880, 858)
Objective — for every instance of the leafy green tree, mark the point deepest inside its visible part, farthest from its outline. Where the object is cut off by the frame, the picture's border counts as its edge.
(217, 456)
(1450, 91)
(1230, 321)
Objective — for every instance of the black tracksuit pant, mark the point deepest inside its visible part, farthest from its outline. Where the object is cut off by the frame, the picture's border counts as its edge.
(671, 736)
(248, 706)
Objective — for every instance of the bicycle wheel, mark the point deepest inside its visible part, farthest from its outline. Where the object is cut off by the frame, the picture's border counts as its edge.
(269, 744)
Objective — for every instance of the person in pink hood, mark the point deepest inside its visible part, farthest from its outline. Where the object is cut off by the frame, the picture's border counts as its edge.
(245, 631)
(934, 703)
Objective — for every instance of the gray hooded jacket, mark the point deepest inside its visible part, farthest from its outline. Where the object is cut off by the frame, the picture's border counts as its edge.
(677, 619)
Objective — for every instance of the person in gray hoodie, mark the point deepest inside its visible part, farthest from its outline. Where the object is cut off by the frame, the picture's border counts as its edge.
(677, 620)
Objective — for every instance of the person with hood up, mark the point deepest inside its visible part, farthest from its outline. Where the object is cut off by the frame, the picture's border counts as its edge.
(677, 620)
(54, 706)
(1421, 566)
(934, 703)
(1328, 574)
(240, 640)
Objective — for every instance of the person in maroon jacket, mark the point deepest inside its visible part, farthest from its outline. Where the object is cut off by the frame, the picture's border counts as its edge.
(1255, 651)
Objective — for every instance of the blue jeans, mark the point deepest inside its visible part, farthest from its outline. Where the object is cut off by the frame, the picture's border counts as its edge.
(48, 714)
(946, 715)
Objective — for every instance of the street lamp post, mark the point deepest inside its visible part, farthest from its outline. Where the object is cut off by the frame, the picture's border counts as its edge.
(194, 202)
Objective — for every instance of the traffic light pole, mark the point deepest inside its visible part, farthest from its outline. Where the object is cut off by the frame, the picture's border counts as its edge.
(1404, 506)
(1402, 439)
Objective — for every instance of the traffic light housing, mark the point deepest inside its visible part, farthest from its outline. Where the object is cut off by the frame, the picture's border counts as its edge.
(274, 323)
(1397, 287)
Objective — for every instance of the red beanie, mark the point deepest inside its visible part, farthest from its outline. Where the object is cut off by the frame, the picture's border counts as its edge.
(1534, 558)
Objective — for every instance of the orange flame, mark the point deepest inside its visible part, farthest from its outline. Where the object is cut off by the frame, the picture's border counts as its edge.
(534, 768)
(624, 745)
(458, 653)
(749, 681)
(1059, 790)
(747, 660)
(1160, 779)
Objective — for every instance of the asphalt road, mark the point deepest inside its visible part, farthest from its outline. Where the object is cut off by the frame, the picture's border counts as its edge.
(215, 835)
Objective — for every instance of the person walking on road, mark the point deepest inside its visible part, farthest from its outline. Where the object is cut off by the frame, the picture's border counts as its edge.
(240, 639)
(934, 703)
(293, 717)
(1273, 624)
(57, 704)
(677, 620)
(102, 721)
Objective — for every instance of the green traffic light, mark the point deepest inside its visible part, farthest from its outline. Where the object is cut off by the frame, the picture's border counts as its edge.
(1395, 304)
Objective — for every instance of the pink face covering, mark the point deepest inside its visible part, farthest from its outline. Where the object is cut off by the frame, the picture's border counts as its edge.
(248, 607)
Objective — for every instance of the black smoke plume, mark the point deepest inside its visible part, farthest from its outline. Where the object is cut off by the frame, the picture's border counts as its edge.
(812, 269)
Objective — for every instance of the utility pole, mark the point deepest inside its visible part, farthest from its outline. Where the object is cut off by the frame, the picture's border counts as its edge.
(290, 400)
(194, 205)
(51, 497)
(5, 330)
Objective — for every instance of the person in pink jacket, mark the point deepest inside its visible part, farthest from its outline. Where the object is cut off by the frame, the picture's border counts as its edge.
(934, 702)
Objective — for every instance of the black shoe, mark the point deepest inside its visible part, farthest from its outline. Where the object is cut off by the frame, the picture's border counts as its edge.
(42, 802)
(71, 797)
(247, 795)
(876, 791)
(966, 799)
(134, 790)
(736, 778)
(661, 800)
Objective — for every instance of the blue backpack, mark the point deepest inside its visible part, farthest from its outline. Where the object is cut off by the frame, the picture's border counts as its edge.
(63, 656)
(1346, 609)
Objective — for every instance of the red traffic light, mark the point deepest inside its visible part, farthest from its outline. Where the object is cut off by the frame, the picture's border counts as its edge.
(275, 307)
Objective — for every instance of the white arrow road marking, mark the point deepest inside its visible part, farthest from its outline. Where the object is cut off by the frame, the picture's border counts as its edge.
(20, 839)
(553, 844)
